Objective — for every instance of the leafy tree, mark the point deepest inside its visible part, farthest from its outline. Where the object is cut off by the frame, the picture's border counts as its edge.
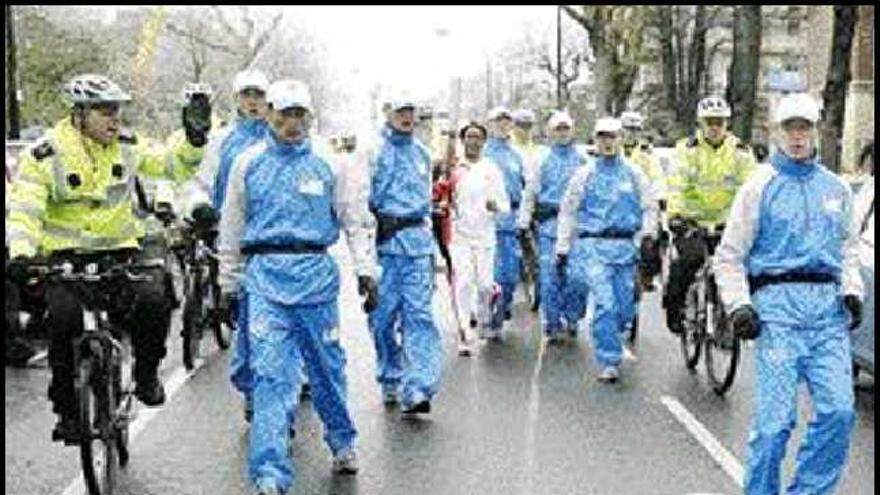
(48, 56)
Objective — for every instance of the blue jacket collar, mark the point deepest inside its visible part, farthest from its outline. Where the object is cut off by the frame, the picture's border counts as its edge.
(286, 149)
(789, 166)
(607, 161)
(396, 137)
(562, 149)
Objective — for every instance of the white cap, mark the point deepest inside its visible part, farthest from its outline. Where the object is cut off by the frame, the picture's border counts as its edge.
(797, 106)
(558, 118)
(250, 79)
(632, 119)
(607, 125)
(289, 93)
(499, 112)
(401, 102)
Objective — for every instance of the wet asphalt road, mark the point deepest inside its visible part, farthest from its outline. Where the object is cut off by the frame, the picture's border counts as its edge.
(513, 419)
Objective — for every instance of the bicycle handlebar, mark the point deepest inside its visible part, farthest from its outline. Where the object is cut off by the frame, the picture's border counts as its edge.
(65, 272)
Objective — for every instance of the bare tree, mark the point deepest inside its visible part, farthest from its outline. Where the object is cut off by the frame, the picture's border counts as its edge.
(244, 38)
(837, 81)
(615, 35)
(743, 76)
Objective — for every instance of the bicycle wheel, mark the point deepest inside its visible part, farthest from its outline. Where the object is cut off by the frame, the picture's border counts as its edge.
(722, 352)
(692, 332)
(222, 333)
(192, 318)
(634, 326)
(98, 443)
(124, 399)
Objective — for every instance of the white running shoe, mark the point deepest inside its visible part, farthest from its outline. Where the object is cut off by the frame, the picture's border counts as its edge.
(345, 462)
(629, 354)
(609, 374)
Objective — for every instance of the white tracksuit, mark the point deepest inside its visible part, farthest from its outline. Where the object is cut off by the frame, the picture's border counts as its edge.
(473, 237)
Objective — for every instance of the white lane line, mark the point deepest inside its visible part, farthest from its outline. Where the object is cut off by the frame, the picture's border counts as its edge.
(174, 383)
(728, 462)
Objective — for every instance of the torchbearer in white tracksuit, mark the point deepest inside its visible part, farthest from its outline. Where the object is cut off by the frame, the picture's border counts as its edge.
(477, 200)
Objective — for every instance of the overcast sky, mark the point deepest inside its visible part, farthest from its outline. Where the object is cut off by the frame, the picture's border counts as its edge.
(411, 46)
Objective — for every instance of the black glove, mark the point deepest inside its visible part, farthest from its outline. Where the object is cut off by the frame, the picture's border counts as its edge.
(204, 215)
(561, 264)
(745, 322)
(228, 308)
(367, 287)
(854, 306)
(492, 206)
(522, 235)
(648, 249)
(197, 120)
(17, 270)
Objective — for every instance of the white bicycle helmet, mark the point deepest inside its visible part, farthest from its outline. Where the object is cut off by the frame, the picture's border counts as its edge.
(523, 116)
(632, 119)
(425, 112)
(713, 107)
(797, 106)
(196, 88)
(87, 89)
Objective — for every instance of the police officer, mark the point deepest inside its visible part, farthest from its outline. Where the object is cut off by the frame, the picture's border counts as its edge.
(74, 193)
(639, 153)
(284, 208)
(788, 271)
(712, 165)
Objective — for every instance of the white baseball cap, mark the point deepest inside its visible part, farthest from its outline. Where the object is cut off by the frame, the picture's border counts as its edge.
(608, 125)
(289, 93)
(797, 106)
(250, 79)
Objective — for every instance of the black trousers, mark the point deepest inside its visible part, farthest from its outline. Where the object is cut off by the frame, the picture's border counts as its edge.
(141, 308)
(437, 227)
(683, 270)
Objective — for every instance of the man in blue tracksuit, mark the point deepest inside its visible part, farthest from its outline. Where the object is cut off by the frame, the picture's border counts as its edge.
(607, 211)
(543, 193)
(284, 208)
(788, 271)
(500, 150)
(409, 349)
(206, 192)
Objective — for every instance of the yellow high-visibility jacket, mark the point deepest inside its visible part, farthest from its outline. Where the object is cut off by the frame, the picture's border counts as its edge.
(73, 193)
(645, 159)
(707, 178)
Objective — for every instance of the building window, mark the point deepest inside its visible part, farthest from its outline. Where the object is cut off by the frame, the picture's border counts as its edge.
(793, 21)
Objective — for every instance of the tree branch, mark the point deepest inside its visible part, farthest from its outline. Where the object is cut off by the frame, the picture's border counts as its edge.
(587, 23)
(191, 35)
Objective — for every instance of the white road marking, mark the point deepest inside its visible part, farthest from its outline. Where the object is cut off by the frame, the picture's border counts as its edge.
(143, 416)
(728, 462)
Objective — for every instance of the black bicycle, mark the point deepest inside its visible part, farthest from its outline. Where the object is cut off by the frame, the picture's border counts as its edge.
(102, 364)
(705, 326)
(201, 291)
